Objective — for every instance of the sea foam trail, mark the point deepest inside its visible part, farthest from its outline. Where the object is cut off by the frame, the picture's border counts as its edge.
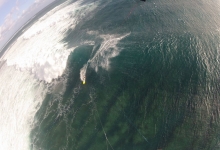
(107, 50)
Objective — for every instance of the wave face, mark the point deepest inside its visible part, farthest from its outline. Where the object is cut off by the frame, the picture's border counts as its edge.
(37, 55)
(114, 75)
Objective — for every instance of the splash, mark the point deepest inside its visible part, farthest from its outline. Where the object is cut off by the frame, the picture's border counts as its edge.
(107, 50)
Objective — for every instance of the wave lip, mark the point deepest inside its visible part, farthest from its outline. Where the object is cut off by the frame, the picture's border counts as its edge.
(40, 49)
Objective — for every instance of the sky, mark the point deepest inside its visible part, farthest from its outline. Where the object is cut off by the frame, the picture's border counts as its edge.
(15, 13)
(14, 7)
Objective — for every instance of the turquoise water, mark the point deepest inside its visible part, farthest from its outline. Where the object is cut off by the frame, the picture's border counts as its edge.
(161, 91)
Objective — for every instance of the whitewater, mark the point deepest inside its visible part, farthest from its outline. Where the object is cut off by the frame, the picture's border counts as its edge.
(36, 58)
(151, 77)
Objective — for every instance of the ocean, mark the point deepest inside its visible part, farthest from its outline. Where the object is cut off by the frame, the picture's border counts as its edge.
(151, 73)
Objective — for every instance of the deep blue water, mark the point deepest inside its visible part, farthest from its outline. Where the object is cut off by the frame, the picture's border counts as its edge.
(160, 92)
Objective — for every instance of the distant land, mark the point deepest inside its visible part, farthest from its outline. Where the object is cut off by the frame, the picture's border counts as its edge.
(28, 24)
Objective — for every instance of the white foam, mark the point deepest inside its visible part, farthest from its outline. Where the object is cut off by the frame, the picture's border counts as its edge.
(40, 49)
(20, 98)
(107, 50)
(83, 73)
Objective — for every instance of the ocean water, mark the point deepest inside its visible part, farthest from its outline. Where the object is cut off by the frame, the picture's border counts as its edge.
(151, 73)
